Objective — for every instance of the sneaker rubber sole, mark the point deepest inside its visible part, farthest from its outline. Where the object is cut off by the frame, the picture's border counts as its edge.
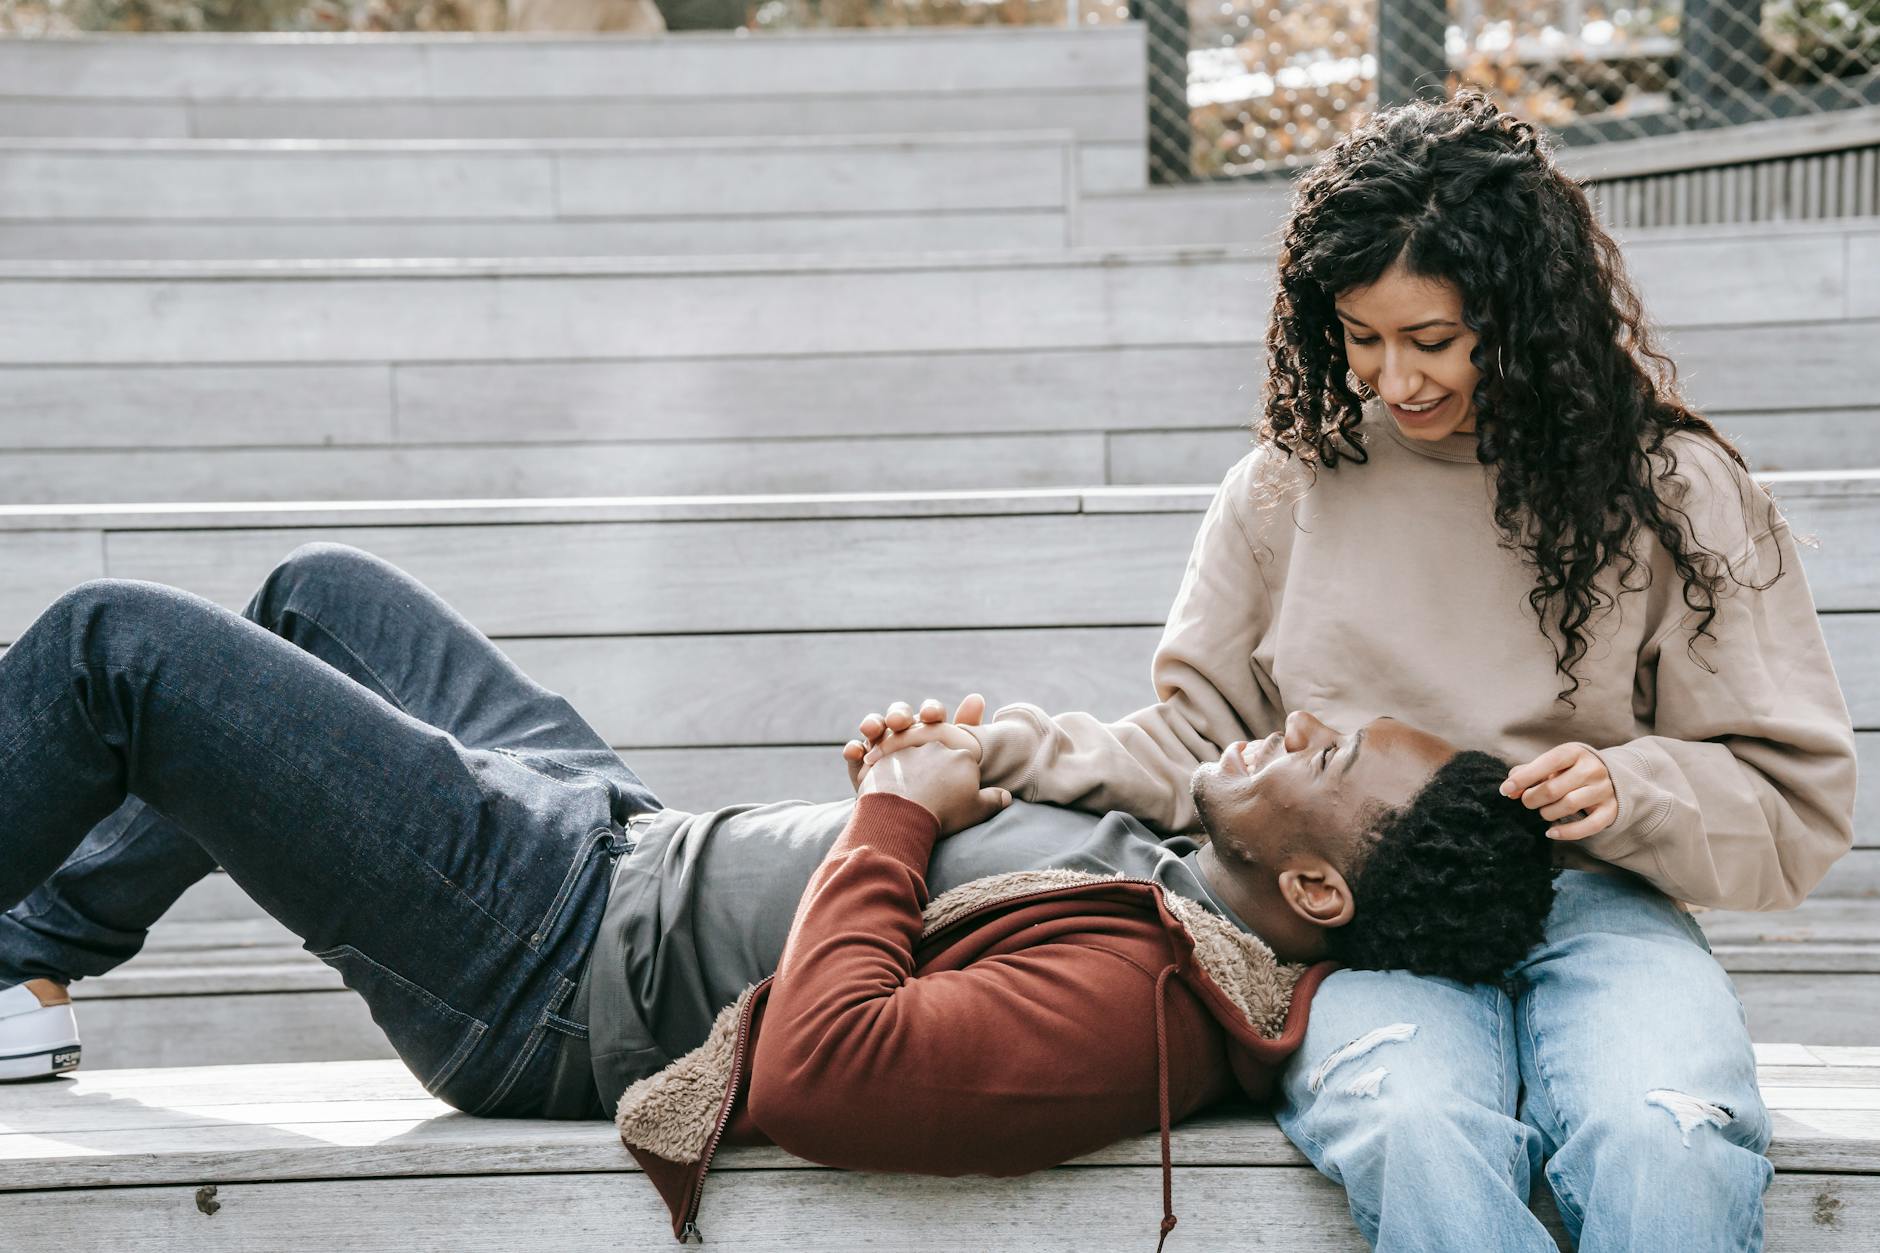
(41, 1064)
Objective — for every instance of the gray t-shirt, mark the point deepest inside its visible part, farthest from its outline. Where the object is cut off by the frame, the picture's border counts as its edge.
(701, 908)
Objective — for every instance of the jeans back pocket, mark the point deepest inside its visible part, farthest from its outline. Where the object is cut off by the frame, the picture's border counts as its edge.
(431, 1038)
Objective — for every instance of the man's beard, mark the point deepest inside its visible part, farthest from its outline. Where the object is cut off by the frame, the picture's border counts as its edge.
(1198, 795)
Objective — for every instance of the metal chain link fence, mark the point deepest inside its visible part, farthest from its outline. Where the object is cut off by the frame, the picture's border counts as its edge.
(1253, 87)
(1268, 83)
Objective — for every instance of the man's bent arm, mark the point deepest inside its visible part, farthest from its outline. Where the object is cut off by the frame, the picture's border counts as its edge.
(1011, 1063)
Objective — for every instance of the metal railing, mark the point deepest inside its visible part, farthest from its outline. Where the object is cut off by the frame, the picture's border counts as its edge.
(1267, 84)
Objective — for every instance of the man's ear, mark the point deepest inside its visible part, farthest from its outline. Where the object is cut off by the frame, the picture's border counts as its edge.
(1317, 892)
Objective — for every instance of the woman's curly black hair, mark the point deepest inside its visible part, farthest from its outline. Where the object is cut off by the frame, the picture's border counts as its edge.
(1455, 883)
(1575, 399)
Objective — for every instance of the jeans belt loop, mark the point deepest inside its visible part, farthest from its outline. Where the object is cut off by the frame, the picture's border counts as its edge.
(635, 830)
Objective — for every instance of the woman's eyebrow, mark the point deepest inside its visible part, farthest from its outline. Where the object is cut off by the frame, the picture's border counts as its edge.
(1420, 326)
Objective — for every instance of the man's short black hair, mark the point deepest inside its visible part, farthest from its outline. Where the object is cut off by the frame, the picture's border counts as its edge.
(1455, 883)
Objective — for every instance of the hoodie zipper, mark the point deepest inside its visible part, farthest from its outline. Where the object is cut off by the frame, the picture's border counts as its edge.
(689, 1232)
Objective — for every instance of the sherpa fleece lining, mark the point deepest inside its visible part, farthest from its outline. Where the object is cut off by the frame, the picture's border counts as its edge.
(671, 1114)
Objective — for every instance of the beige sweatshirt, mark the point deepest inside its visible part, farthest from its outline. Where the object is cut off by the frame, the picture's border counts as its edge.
(1382, 588)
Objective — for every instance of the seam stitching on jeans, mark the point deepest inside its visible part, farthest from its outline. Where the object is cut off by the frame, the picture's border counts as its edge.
(344, 647)
(583, 856)
(472, 1034)
(1563, 1189)
(326, 954)
(458, 1056)
(530, 1047)
(1504, 1024)
(542, 754)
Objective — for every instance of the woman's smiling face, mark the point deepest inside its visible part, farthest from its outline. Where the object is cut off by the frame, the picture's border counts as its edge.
(1405, 340)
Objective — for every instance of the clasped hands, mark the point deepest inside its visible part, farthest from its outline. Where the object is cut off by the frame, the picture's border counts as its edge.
(935, 763)
(926, 759)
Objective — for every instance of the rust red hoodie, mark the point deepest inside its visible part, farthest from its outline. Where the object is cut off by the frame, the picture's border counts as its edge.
(1014, 1023)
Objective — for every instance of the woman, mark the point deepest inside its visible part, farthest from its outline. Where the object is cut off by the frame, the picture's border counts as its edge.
(1476, 503)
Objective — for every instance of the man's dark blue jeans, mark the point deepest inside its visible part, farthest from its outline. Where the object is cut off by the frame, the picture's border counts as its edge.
(360, 759)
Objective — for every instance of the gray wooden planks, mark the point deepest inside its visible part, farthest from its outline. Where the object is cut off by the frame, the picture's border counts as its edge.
(228, 1028)
(1851, 927)
(828, 423)
(942, 231)
(1245, 215)
(684, 691)
(1854, 643)
(195, 407)
(1804, 439)
(1107, 123)
(911, 462)
(338, 1147)
(622, 401)
(1088, 82)
(816, 679)
(688, 66)
(597, 360)
(1863, 258)
(1857, 873)
(37, 566)
(684, 579)
(229, 312)
(235, 183)
(110, 438)
(1812, 1007)
(691, 577)
(1074, 1210)
(133, 183)
(711, 570)
(1292, 1207)
(1772, 366)
(173, 313)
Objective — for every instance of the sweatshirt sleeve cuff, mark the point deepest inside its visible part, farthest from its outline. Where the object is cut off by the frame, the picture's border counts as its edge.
(893, 826)
(1631, 788)
(1006, 747)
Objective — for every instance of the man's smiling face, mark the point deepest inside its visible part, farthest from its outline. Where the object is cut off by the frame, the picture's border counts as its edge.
(1309, 788)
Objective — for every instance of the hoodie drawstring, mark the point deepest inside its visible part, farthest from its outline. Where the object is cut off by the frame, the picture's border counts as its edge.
(1161, 1076)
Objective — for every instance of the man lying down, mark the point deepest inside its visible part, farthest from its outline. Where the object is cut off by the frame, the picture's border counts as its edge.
(929, 977)
(936, 978)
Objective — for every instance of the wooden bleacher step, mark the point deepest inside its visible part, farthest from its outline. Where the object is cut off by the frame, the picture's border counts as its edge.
(249, 1157)
(694, 84)
(449, 379)
(95, 199)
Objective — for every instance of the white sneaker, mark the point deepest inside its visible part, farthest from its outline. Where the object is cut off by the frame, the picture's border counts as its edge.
(38, 1034)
